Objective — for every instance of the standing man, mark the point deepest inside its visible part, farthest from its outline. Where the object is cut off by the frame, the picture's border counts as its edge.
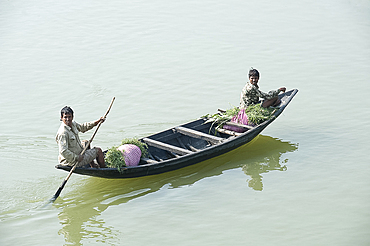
(70, 146)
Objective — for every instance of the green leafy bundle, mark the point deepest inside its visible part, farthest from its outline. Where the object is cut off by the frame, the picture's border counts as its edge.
(114, 158)
(258, 114)
(221, 118)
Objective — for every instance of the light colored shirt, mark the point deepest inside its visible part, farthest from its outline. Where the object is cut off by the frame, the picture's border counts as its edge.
(69, 142)
(251, 95)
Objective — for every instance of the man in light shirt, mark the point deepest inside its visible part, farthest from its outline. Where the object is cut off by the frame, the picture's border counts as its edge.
(70, 146)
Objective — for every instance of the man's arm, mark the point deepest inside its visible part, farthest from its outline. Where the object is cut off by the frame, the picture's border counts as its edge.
(88, 125)
(269, 95)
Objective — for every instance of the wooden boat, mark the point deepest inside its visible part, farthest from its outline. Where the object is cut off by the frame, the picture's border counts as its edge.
(186, 145)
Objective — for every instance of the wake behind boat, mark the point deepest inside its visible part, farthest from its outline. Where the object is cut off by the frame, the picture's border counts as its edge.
(185, 145)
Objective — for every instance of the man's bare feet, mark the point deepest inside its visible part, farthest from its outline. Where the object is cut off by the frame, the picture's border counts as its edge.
(94, 165)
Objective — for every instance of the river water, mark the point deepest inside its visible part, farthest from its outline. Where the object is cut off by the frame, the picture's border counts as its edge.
(303, 181)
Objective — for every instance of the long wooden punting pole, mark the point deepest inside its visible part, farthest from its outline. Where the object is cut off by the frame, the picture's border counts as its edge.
(56, 195)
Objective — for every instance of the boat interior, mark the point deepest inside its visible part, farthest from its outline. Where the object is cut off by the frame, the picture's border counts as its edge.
(185, 139)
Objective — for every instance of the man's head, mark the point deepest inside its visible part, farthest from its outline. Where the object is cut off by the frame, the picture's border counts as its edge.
(254, 76)
(253, 72)
(66, 115)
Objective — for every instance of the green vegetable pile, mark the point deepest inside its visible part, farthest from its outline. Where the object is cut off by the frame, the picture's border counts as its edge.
(256, 115)
(221, 118)
(114, 158)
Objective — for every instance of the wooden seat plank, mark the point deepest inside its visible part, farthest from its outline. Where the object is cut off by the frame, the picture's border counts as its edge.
(228, 132)
(239, 125)
(198, 134)
(150, 161)
(167, 147)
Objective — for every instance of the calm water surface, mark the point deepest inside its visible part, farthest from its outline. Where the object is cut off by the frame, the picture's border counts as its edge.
(304, 181)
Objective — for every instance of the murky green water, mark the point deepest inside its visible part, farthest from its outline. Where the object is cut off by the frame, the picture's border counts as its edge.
(304, 181)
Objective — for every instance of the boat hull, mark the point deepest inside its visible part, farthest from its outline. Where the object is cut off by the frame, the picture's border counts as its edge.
(201, 150)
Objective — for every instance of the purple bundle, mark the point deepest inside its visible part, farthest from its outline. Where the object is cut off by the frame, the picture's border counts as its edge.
(240, 118)
(131, 153)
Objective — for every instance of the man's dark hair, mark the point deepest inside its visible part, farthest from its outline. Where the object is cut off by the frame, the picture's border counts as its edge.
(253, 72)
(66, 110)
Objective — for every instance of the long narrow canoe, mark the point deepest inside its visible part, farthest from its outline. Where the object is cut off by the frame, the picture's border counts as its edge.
(186, 145)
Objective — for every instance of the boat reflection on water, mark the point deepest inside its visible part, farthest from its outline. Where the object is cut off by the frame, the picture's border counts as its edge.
(257, 164)
(81, 210)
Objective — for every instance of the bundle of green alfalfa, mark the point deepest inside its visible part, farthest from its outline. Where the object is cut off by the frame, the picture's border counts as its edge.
(256, 115)
(221, 118)
(115, 156)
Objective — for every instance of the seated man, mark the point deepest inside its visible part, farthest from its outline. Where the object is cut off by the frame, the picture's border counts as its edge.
(251, 93)
(70, 146)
